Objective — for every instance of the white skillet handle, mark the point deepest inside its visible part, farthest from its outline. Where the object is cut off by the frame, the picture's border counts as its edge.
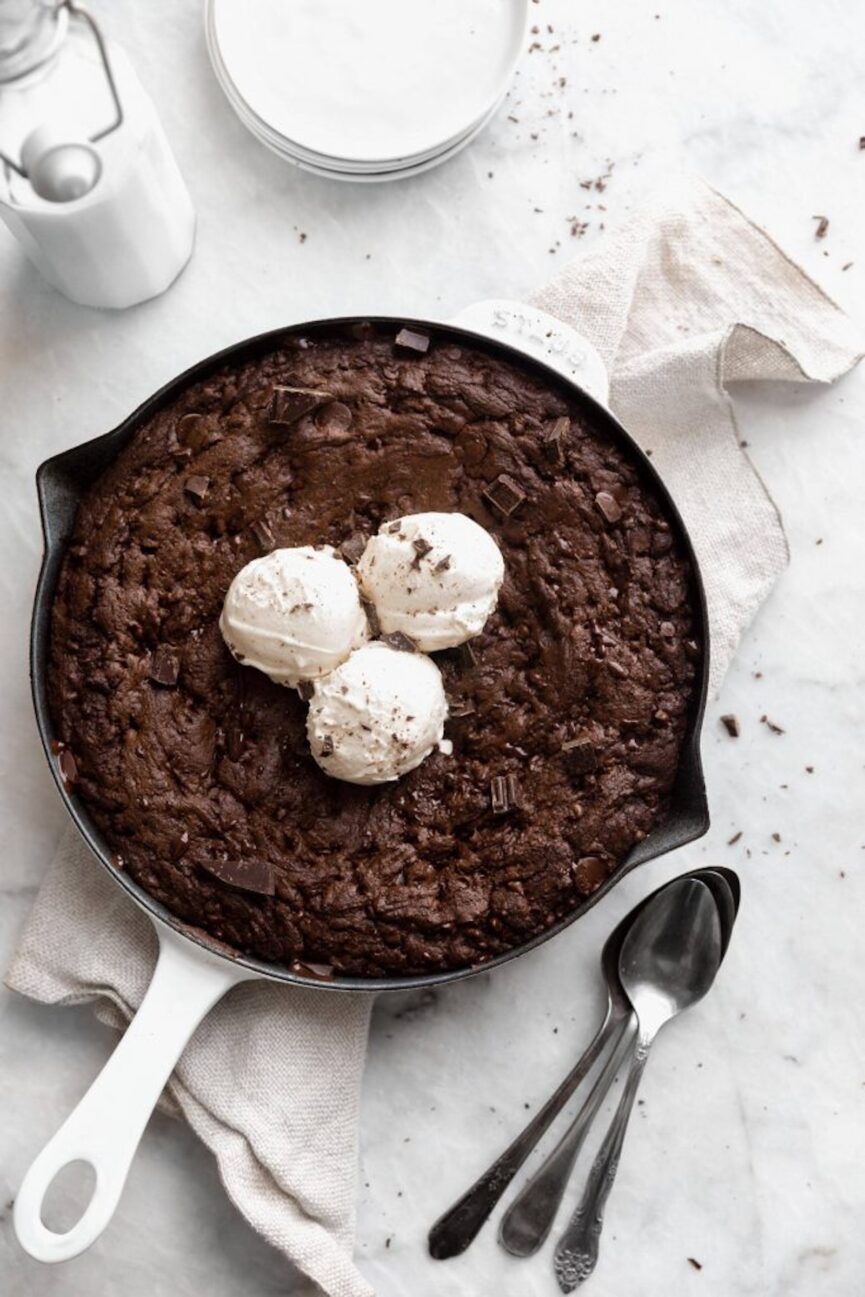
(106, 1127)
(543, 336)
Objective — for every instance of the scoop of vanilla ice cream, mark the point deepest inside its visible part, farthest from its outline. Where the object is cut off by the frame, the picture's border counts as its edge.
(295, 614)
(433, 576)
(378, 715)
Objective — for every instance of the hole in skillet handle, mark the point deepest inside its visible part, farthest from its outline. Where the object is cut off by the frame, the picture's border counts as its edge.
(68, 1196)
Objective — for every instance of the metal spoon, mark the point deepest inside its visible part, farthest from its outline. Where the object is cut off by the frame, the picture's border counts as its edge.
(454, 1231)
(668, 962)
(528, 1220)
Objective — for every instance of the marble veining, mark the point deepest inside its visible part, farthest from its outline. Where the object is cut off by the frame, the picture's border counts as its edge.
(744, 1169)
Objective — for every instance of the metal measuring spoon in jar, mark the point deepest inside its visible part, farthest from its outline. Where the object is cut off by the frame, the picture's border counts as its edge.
(668, 962)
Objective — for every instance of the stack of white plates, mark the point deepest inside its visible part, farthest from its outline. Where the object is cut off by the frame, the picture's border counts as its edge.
(365, 89)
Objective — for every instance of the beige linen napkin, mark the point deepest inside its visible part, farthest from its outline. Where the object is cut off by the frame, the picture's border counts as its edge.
(686, 299)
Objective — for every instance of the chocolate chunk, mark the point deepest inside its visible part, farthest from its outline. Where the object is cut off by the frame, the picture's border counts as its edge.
(822, 226)
(336, 416)
(328, 746)
(580, 756)
(442, 565)
(504, 794)
(397, 640)
(68, 766)
(411, 340)
(164, 668)
(504, 496)
(235, 740)
(371, 617)
(191, 431)
(731, 725)
(590, 872)
(776, 729)
(305, 690)
(352, 548)
(196, 486)
(609, 506)
(246, 875)
(264, 537)
(554, 441)
(177, 848)
(289, 404)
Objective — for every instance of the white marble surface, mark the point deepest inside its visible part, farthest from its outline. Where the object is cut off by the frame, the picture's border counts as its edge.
(749, 1152)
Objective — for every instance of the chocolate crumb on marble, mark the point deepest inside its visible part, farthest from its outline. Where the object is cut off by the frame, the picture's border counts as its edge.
(418, 875)
(731, 725)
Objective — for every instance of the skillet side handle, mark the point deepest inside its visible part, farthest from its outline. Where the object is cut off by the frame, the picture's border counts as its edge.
(105, 1128)
(542, 337)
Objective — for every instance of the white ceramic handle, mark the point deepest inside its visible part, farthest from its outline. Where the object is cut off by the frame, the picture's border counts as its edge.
(543, 336)
(106, 1127)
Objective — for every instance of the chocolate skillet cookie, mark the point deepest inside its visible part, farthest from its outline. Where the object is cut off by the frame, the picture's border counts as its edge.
(567, 713)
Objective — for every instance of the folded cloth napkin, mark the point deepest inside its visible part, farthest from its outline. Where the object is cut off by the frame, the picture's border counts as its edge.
(688, 298)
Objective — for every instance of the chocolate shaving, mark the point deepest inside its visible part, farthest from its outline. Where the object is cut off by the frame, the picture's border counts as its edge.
(305, 690)
(580, 756)
(421, 547)
(411, 340)
(609, 506)
(327, 746)
(697, 1265)
(822, 226)
(264, 537)
(731, 725)
(288, 405)
(442, 565)
(371, 617)
(776, 729)
(504, 496)
(164, 668)
(504, 794)
(397, 640)
(467, 654)
(352, 548)
(196, 486)
(246, 875)
(68, 766)
(731, 842)
(554, 441)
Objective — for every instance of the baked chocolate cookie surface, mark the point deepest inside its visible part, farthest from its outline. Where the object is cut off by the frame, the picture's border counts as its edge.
(567, 714)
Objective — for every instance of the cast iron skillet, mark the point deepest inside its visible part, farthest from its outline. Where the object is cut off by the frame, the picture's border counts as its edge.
(193, 970)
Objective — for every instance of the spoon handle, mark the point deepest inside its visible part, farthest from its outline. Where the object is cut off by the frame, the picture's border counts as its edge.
(577, 1252)
(528, 1220)
(453, 1232)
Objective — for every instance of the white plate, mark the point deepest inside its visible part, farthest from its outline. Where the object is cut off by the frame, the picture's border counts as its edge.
(373, 177)
(367, 82)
